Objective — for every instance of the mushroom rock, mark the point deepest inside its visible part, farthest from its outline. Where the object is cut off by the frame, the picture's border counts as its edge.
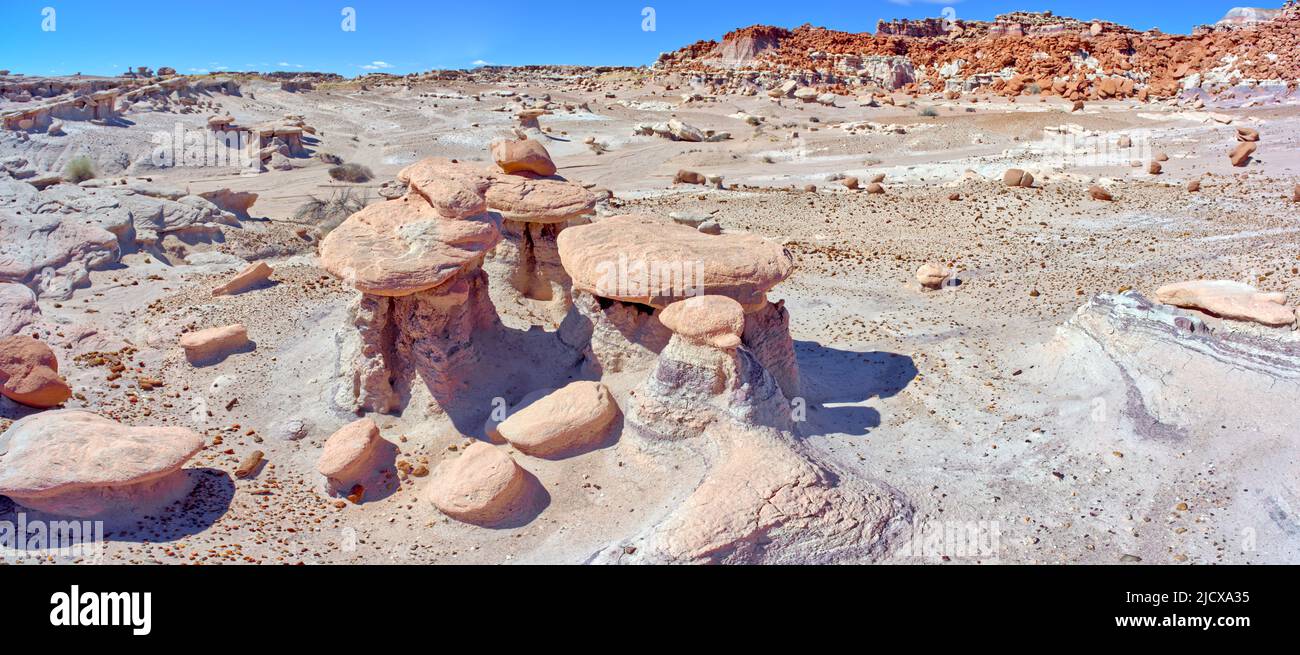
(249, 278)
(1230, 300)
(483, 486)
(75, 463)
(528, 118)
(705, 373)
(631, 267)
(523, 156)
(351, 455)
(561, 423)
(417, 261)
(1240, 156)
(29, 373)
(534, 211)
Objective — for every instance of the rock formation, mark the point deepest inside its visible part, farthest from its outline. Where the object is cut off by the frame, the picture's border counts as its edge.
(423, 304)
(75, 463)
(1231, 300)
(626, 269)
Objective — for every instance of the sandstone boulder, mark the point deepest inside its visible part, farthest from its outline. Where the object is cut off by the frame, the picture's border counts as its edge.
(563, 422)
(1017, 178)
(29, 373)
(1240, 156)
(214, 344)
(249, 278)
(1099, 193)
(523, 156)
(716, 321)
(349, 455)
(75, 463)
(1230, 300)
(483, 486)
(932, 276)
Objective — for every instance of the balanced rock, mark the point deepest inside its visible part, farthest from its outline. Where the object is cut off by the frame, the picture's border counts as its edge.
(29, 373)
(75, 463)
(562, 422)
(483, 486)
(1230, 300)
(523, 156)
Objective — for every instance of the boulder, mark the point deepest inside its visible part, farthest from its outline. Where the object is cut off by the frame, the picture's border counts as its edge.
(1247, 135)
(236, 202)
(688, 177)
(29, 373)
(741, 266)
(540, 201)
(716, 321)
(683, 132)
(1017, 178)
(249, 278)
(214, 344)
(483, 486)
(75, 463)
(18, 308)
(563, 422)
(1230, 300)
(1098, 193)
(523, 156)
(349, 455)
(1240, 156)
(932, 276)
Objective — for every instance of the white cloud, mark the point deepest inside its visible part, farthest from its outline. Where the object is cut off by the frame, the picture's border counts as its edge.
(480, 62)
(377, 65)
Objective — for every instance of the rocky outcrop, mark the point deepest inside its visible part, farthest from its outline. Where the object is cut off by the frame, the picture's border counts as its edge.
(75, 463)
(1034, 53)
(51, 239)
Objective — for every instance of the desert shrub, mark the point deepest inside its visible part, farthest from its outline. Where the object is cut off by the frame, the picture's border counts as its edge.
(1034, 89)
(351, 173)
(79, 169)
(328, 213)
(929, 112)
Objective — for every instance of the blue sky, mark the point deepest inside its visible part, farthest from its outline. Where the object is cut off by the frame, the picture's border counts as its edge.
(99, 37)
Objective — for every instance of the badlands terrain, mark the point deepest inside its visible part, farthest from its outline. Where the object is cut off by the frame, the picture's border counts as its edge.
(1038, 306)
